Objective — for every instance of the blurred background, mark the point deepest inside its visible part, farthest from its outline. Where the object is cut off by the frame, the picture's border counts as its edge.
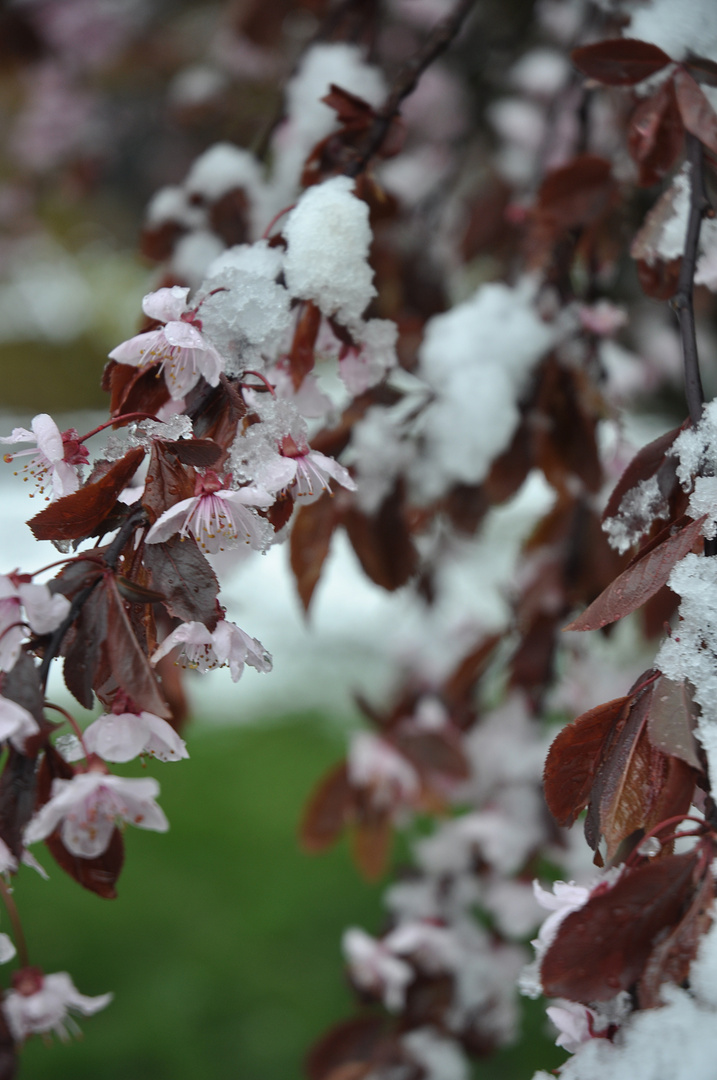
(222, 949)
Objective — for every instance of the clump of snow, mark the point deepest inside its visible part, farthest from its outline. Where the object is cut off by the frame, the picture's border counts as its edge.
(477, 360)
(249, 317)
(170, 204)
(328, 237)
(541, 72)
(220, 169)
(678, 29)
(193, 254)
(640, 506)
(380, 453)
(662, 235)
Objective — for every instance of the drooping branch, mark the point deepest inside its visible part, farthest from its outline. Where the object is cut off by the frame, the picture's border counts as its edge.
(437, 42)
(683, 301)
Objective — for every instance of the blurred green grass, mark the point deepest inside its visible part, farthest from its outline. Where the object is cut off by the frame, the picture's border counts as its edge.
(222, 948)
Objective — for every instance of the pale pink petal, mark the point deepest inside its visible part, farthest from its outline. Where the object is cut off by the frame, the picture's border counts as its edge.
(19, 434)
(140, 349)
(191, 633)
(171, 521)
(184, 336)
(163, 742)
(45, 610)
(65, 480)
(117, 738)
(49, 439)
(164, 305)
(332, 468)
(16, 723)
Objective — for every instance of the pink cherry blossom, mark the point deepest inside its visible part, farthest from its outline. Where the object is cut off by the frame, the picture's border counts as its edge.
(573, 1023)
(217, 517)
(183, 351)
(374, 764)
(122, 737)
(16, 723)
(304, 471)
(374, 968)
(58, 459)
(43, 611)
(40, 1003)
(90, 805)
(227, 645)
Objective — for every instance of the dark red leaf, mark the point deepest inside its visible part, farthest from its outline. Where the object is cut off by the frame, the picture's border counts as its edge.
(697, 114)
(329, 810)
(658, 279)
(168, 481)
(620, 61)
(17, 798)
(645, 575)
(673, 718)
(704, 70)
(301, 357)
(181, 573)
(575, 756)
(79, 515)
(310, 541)
(134, 389)
(229, 217)
(603, 948)
(100, 874)
(22, 685)
(645, 464)
(352, 1041)
(201, 453)
(128, 663)
(383, 542)
(672, 956)
(577, 193)
(434, 751)
(135, 592)
(86, 664)
(656, 136)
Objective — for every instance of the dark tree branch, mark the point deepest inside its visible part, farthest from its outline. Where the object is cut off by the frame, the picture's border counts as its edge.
(438, 41)
(683, 301)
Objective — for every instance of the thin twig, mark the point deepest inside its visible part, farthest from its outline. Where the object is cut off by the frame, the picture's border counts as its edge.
(683, 301)
(437, 42)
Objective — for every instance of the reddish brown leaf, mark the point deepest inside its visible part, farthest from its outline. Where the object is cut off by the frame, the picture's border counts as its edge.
(697, 114)
(310, 541)
(81, 514)
(383, 542)
(371, 843)
(168, 481)
(201, 453)
(17, 798)
(434, 751)
(458, 689)
(134, 389)
(565, 439)
(86, 665)
(229, 217)
(603, 948)
(577, 193)
(128, 663)
(22, 685)
(574, 758)
(672, 956)
(181, 573)
(301, 357)
(658, 279)
(704, 70)
(641, 580)
(348, 1043)
(645, 464)
(656, 134)
(620, 61)
(673, 717)
(330, 808)
(639, 786)
(100, 874)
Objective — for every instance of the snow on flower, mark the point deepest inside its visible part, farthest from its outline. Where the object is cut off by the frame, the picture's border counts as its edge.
(88, 807)
(184, 352)
(123, 736)
(216, 516)
(57, 460)
(227, 645)
(44, 611)
(39, 1003)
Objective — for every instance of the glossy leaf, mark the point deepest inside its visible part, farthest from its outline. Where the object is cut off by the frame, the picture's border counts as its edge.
(620, 61)
(99, 875)
(86, 665)
(127, 661)
(182, 574)
(673, 718)
(603, 947)
(575, 756)
(79, 515)
(168, 481)
(642, 579)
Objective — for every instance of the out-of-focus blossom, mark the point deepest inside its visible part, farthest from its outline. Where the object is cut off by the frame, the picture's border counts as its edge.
(375, 765)
(41, 1003)
(16, 723)
(43, 612)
